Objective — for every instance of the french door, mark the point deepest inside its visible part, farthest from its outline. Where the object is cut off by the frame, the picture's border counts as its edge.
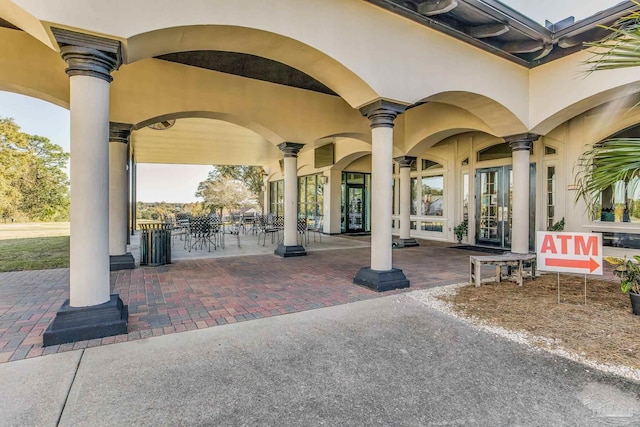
(355, 208)
(494, 201)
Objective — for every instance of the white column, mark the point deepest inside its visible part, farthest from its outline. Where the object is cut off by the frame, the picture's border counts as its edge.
(381, 197)
(333, 202)
(90, 312)
(521, 147)
(405, 201)
(89, 74)
(118, 151)
(290, 200)
(265, 193)
(290, 245)
(381, 276)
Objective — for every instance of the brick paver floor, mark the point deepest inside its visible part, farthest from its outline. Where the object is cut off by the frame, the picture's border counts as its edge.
(194, 294)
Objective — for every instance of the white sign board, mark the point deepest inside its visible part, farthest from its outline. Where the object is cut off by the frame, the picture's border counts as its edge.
(569, 252)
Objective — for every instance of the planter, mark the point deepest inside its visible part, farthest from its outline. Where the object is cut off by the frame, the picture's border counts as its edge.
(635, 303)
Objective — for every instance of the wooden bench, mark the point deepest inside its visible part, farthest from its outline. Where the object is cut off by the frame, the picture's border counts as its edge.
(509, 260)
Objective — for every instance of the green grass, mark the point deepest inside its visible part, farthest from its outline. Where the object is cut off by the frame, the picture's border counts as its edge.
(37, 253)
(34, 246)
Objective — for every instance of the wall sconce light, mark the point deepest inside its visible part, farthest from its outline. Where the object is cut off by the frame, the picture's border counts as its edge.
(325, 179)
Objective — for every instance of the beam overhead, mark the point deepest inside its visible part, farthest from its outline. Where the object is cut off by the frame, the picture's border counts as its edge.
(437, 7)
(489, 30)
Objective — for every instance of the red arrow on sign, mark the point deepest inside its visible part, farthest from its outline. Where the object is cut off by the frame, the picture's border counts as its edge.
(590, 263)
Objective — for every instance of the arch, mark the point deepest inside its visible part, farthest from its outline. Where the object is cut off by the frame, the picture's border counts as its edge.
(267, 134)
(603, 127)
(32, 69)
(617, 97)
(162, 87)
(28, 23)
(322, 67)
(335, 137)
(347, 160)
(205, 137)
(497, 118)
(430, 123)
(563, 89)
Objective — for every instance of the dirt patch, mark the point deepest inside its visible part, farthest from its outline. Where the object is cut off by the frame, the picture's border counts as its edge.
(604, 330)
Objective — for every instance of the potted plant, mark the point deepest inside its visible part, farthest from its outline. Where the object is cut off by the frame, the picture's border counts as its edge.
(461, 230)
(628, 270)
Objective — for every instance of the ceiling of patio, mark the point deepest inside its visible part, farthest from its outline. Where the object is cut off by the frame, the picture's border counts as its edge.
(199, 141)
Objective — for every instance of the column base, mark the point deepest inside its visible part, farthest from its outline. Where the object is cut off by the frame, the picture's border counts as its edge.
(288, 251)
(121, 262)
(405, 243)
(73, 324)
(381, 281)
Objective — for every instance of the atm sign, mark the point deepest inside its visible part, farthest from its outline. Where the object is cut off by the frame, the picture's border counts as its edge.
(569, 252)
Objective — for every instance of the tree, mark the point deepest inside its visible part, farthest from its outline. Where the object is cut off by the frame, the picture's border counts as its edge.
(33, 184)
(251, 176)
(12, 162)
(616, 159)
(220, 192)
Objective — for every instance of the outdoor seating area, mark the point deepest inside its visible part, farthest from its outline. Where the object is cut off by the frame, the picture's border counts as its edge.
(197, 237)
(207, 232)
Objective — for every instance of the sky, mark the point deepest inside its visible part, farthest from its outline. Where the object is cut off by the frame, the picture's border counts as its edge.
(557, 10)
(178, 183)
(156, 183)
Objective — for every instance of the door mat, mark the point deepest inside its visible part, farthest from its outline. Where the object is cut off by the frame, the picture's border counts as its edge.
(481, 249)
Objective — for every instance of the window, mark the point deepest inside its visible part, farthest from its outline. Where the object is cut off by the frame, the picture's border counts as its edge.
(549, 151)
(551, 195)
(414, 196)
(498, 151)
(276, 197)
(465, 197)
(310, 197)
(432, 195)
(619, 203)
(431, 226)
(428, 165)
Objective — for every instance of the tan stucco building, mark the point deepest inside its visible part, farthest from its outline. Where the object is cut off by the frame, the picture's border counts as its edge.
(398, 118)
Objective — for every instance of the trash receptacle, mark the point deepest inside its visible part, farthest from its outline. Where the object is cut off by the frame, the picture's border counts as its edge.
(155, 244)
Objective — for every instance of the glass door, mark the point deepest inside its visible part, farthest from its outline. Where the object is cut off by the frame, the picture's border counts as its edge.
(494, 190)
(493, 210)
(355, 208)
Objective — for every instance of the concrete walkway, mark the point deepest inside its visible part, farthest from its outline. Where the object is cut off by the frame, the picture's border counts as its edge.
(385, 361)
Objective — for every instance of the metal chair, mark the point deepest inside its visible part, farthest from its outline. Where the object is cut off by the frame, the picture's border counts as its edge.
(200, 233)
(316, 228)
(302, 227)
(269, 225)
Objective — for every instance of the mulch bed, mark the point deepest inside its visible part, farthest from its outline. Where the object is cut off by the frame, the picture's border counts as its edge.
(603, 330)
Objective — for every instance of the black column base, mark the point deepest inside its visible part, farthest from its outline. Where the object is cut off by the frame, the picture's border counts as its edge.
(405, 243)
(121, 262)
(287, 251)
(73, 324)
(381, 281)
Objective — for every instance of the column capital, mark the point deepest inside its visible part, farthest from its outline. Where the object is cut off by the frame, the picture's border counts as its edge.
(290, 149)
(88, 55)
(405, 161)
(120, 132)
(382, 113)
(521, 141)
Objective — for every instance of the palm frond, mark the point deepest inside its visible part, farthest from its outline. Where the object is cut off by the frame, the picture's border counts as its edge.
(620, 49)
(604, 165)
